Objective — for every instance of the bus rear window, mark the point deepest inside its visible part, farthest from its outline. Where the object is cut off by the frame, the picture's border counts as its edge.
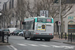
(44, 20)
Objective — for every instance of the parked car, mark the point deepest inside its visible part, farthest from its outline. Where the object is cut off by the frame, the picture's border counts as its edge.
(11, 30)
(16, 32)
(6, 30)
(20, 33)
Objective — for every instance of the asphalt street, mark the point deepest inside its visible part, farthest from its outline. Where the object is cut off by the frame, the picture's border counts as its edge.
(19, 43)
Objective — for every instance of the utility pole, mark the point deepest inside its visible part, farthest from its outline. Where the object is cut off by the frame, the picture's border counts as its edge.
(59, 23)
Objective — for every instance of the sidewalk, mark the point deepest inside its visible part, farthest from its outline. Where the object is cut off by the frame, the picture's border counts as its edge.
(1, 43)
(56, 39)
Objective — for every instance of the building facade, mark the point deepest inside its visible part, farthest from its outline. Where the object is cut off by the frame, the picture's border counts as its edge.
(10, 6)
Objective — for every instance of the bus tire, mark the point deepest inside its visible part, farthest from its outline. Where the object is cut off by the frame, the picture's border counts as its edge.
(25, 38)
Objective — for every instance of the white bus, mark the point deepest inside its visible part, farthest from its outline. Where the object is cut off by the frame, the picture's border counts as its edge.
(38, 28)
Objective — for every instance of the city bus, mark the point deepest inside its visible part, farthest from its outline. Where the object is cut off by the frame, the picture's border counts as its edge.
(38, 28)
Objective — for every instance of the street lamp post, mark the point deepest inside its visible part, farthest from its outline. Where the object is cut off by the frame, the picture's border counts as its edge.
(59, 23)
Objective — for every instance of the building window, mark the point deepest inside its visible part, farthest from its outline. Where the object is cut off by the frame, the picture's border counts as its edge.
(4, 6)
(12, 3)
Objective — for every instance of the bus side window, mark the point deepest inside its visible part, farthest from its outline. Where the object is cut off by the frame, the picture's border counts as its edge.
(31, 24)
(24, 25)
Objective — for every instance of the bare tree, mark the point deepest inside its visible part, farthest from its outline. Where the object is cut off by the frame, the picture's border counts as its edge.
(1, 21)
(53, 9)
(6, 17)
(23, 7)
(21, 10)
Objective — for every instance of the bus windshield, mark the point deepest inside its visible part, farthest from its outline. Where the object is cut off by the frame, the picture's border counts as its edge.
(44, 20)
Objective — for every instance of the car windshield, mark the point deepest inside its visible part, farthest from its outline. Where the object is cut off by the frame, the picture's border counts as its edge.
(6, 29)
(21, 30)
(16, 30)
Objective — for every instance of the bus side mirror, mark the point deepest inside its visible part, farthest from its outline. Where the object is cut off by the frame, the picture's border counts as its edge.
(23, 23)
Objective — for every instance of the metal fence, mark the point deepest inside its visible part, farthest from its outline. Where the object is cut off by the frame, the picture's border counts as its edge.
(70, 36)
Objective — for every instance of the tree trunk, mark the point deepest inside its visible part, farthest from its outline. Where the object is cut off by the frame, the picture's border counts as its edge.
(7, 24)
(16, 24)
(20, 24)
(61, 24)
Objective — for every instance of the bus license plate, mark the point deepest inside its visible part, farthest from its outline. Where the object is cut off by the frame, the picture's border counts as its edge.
(43, 33)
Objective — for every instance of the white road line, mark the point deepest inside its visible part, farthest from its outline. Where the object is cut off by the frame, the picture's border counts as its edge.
(57, 46)
(32, 45)
(13, 47)
(65, 47)
(45, 45)
(22, 44)
(69, 47)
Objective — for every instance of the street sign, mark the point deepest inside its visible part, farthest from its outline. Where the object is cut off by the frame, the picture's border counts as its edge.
(44, 13)
(59, 23)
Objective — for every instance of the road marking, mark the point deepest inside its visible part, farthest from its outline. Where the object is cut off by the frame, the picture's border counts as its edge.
(22, 44)
(13, 47)
(45, 45)
(32, 44)
(55, 46)
(69, 47)
(65, 47)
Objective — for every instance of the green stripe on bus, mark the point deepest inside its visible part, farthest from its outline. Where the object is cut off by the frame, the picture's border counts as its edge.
(52, 20)
(35, 19)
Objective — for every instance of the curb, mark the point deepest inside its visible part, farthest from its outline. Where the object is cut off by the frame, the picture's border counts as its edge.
(69, 43)
(4, 44)
(57, 41)
(64, 42)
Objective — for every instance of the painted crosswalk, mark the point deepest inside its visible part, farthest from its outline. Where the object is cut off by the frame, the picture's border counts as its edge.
(22, 44)
(44, 45)
(32, 45)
